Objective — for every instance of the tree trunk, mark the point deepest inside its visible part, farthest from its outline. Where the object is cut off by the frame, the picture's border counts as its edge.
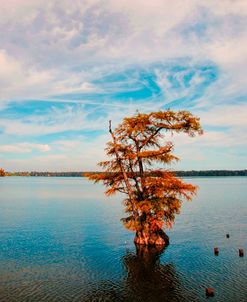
(148, 237)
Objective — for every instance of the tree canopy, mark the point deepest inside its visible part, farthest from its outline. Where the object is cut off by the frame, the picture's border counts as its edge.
(137, 167)
(2, 172)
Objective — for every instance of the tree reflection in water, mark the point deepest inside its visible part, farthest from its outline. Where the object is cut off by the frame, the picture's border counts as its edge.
(147, 280)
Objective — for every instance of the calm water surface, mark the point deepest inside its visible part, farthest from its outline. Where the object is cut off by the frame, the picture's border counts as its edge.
(61, 240)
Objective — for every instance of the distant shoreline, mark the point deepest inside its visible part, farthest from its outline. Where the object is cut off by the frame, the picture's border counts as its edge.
(190, 173)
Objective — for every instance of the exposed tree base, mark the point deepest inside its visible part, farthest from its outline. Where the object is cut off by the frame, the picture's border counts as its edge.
(151, 238)
(149, 254)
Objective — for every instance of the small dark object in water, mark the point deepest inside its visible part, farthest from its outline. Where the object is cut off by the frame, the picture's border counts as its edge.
(227, 235)
(216, 251)
(209, 292)
(241, 252)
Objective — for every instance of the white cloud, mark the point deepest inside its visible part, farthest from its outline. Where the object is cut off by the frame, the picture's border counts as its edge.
(22, 148)
(58, 36)
(18, 79)
(65, 155)
(233, 115)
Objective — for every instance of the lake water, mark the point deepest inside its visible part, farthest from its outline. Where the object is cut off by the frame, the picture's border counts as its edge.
(61, 240)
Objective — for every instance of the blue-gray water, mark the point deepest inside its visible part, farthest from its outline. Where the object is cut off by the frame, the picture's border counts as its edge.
(61, 240)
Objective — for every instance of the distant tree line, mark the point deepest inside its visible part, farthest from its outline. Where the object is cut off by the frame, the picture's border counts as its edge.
(49, 174)
(212, 173)
(178, 173)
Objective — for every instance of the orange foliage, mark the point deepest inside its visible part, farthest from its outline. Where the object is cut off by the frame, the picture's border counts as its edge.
(2, 172)
(153, 196)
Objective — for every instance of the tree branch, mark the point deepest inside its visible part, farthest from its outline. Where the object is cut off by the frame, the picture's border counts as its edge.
(126, 180)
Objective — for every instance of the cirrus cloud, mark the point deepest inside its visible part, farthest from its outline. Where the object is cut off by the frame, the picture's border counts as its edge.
(22, 148)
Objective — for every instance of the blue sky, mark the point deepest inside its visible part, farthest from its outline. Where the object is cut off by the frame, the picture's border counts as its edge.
(65, 70)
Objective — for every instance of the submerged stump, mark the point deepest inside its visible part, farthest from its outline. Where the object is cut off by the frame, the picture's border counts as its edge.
(209, 292)
(216, 251)
(241, 252)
